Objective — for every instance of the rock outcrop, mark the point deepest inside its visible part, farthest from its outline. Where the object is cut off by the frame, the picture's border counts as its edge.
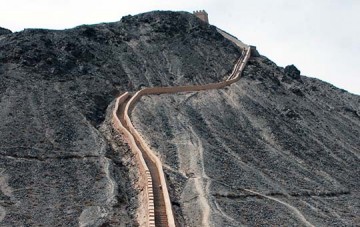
(292, 72)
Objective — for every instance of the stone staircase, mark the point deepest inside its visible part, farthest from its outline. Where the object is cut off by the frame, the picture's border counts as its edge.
(159, 202)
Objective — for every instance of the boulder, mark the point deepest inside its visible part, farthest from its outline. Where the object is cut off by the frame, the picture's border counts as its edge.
(292, 72)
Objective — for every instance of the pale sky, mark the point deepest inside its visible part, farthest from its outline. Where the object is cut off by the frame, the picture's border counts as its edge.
(320, 37)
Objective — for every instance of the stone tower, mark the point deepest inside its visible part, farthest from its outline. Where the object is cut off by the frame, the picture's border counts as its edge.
(202, 14)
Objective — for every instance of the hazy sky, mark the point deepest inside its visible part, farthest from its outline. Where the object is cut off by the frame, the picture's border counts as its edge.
(321, 37)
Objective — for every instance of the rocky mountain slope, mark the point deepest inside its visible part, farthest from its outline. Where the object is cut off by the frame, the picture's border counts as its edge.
(276, 148)
(58, 161)
(273, 149)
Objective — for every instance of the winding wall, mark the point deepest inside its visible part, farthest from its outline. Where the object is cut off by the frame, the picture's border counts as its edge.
(145, 180)
(125, 126)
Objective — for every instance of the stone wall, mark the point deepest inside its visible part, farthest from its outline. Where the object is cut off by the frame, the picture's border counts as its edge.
(145, 181)
(234, 76)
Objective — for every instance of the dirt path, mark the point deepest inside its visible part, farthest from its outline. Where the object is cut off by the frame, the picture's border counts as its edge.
(296, 212)
(200, 186)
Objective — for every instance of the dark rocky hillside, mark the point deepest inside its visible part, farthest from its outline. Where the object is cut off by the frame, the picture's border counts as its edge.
(4, 31)
(58, 165)
(274, 149)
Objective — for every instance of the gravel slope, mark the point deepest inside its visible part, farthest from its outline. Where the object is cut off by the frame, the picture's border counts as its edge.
(274, 149)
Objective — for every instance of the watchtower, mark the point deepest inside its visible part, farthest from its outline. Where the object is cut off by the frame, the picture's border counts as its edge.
(202, 15)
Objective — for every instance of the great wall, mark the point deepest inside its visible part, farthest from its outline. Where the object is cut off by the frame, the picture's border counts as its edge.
(152, 179)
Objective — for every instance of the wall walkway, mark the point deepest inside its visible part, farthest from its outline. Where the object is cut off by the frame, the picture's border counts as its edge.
(157, 198)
